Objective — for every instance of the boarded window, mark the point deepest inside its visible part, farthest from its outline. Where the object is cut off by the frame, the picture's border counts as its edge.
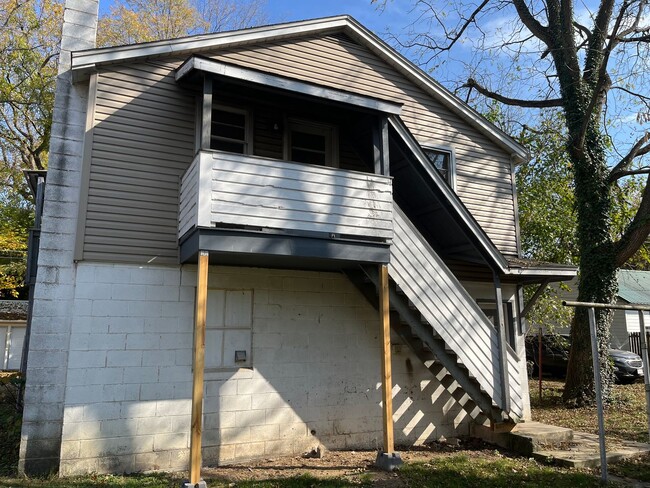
(228, 335)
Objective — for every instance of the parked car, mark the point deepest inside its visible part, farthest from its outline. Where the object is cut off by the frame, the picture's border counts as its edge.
(628, 366)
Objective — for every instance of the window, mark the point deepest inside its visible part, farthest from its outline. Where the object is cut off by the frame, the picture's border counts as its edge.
(230, 130)
(489, 309)
(443, 161)
(228, 334)
(312, 143)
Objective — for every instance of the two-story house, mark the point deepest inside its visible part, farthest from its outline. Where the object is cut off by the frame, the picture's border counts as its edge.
(224, 217)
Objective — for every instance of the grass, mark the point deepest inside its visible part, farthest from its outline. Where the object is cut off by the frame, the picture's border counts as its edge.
(625, 419)
(168, 481)
(489, 469)
(625, 416)
(497, 471)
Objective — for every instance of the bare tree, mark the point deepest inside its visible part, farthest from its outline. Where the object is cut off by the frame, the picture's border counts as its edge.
(593, 65)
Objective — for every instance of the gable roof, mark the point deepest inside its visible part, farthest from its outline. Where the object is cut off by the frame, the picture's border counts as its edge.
(634, 286)
(86, 61)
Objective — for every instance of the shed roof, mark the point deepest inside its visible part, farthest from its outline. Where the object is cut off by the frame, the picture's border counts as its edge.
(634, 286)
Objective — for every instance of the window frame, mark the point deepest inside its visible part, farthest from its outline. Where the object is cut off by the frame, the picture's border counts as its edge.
(248, 127)
(451, 171)
(329, 131)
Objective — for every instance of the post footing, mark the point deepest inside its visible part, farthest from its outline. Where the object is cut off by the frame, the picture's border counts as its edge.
(200, 484)
(388, 461)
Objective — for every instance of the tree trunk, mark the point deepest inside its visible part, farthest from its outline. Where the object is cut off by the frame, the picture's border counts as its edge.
(597, 282)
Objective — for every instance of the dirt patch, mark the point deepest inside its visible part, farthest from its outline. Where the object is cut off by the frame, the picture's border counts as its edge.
(353, 466)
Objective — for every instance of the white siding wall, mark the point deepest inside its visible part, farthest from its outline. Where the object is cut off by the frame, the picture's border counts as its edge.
(232, 189)
(316, 367)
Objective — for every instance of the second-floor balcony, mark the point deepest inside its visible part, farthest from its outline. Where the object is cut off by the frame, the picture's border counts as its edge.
(282, 207)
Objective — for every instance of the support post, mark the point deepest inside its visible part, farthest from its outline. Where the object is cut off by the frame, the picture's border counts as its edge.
(646, 366)
(502, 341)
(388, 459)
(599, 395)
(198, 362)
(206, 112)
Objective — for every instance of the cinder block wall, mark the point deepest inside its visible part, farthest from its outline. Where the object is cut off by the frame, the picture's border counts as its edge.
(53, 294)
(315, 375)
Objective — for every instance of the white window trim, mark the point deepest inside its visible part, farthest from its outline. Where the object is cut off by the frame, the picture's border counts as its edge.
(452, 160)
(328, 130)
(248, 121)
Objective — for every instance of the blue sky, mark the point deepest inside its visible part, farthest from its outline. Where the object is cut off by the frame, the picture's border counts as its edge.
(362, 10)
(395, 14)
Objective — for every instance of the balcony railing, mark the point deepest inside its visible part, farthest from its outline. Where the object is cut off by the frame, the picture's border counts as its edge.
(230, 190)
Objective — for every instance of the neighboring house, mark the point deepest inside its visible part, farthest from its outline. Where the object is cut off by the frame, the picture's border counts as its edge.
(299, 160)
(633, 288)
(13, 319)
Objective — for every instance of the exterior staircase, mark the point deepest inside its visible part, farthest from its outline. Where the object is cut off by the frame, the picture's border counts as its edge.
(445, 328)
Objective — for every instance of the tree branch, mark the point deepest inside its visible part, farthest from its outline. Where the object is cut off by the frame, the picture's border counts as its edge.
(640, 148)
(637, 232)
(555, 102)
(533, 25)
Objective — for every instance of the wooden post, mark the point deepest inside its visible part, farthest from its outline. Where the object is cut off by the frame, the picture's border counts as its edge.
(387, 382)
(199, 362)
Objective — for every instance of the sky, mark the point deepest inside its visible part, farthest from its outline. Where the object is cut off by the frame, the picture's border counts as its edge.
(395, 13)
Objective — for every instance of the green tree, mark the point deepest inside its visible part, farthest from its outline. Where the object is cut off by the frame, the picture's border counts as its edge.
(592, 65)
(29, 38)
(133, 21)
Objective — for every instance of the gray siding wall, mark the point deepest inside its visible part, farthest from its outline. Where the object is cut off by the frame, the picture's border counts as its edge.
(143, 141)
(484, 181)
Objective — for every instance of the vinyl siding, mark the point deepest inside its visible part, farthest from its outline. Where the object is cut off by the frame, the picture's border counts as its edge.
(144, 135)
(143, 141)
(484, 181)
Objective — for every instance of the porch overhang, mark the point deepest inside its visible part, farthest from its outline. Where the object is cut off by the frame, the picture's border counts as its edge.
(197, 64)
(529, 272)
(269, 249)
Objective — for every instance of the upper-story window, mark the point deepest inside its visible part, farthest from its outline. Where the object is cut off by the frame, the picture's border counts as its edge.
(443, 160)
(312, 143)
(230, 130)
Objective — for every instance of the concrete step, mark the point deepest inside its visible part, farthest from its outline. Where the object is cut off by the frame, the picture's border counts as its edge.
(524, 438)
(583, 451)
(557, 445)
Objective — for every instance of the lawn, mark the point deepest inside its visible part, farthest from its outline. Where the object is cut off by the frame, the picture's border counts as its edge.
(625, 416)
